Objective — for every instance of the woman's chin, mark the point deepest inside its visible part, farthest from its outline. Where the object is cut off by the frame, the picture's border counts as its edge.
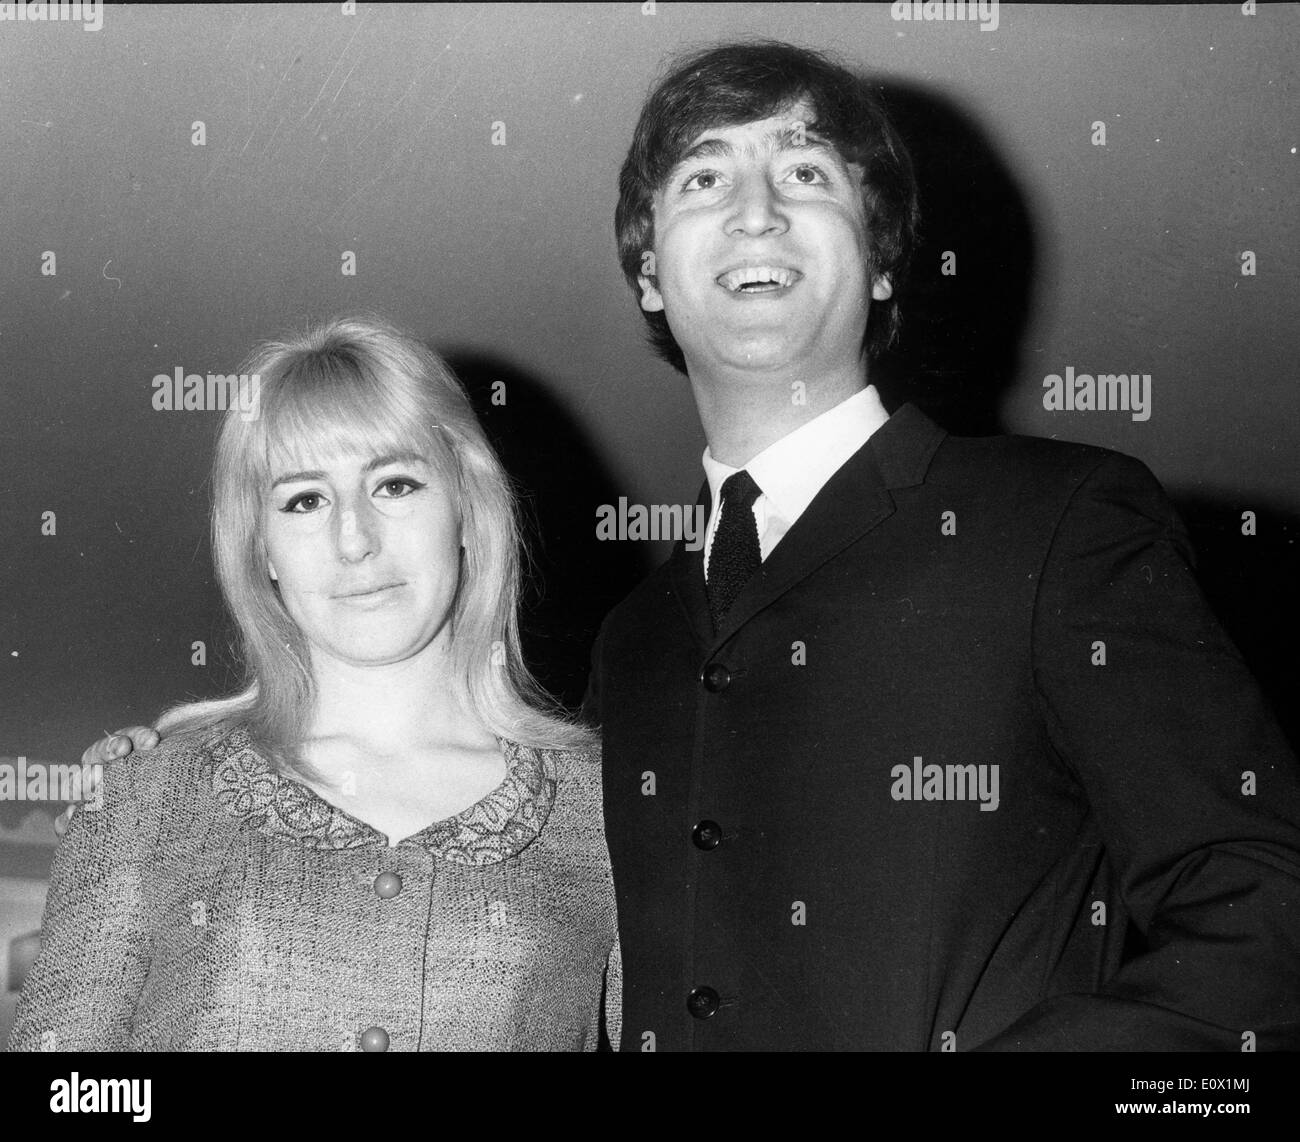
(373, 651)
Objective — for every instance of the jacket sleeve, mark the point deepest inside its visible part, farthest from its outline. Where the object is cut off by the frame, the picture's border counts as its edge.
(81, 992)
(1194, 789)
(613, 1013)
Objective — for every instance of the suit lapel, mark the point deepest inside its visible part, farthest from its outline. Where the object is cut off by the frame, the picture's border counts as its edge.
(856, 499)
(686, 573)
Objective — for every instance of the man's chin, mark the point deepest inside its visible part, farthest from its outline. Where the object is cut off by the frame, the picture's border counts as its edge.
(754, 349)
(762, 362)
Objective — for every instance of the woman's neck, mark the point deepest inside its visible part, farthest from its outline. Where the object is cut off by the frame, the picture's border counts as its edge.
(392, 708)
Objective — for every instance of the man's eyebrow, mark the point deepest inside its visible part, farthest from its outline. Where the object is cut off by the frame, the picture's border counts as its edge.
(792, 138)
(377, 462)
(800, 136)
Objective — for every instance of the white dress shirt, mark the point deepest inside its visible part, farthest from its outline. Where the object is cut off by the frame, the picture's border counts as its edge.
(793, 470)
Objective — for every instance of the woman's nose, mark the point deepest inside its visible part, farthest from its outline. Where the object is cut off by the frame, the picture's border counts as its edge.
(358, 533)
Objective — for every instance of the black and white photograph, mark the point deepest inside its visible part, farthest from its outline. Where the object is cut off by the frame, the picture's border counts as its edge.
(650, 528)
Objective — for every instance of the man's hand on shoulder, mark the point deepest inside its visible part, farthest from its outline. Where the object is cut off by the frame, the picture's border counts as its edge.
(108, 749)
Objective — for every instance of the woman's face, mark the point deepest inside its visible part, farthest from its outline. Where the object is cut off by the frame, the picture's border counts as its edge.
(366, 551)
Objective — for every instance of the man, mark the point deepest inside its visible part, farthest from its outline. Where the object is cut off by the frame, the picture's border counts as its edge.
(934, 745)
(930, 726)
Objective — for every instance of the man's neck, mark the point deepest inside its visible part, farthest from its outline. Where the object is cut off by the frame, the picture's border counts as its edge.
(741, 418)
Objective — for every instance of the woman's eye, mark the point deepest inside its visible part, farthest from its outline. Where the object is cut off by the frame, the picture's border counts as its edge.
(307, 502)
(399, 487)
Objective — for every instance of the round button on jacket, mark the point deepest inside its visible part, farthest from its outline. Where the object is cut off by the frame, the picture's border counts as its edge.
(715, 677)
(387, 885)
(707, 835)
(374, 1039)
(703, 1002)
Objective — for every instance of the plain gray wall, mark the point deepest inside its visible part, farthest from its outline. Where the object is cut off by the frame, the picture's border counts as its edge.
(372, 133)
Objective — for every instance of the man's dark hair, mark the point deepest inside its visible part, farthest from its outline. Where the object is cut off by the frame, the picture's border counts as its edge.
(738, 83)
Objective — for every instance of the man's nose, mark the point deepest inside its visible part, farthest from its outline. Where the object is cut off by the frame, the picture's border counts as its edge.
(758, 208)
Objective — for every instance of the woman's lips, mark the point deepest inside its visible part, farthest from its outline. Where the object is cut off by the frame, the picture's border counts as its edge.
(368, 594)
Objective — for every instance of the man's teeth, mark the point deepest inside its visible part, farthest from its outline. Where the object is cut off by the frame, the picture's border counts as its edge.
(757, 276)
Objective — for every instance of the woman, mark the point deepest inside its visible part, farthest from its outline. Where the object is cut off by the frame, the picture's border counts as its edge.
(387, 840)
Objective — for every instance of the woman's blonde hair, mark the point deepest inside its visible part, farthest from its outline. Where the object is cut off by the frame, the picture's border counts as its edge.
(357, 384)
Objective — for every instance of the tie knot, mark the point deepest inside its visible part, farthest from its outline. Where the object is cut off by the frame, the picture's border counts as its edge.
(740, 489)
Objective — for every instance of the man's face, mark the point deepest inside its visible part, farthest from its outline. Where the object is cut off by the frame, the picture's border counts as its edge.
(761, 251)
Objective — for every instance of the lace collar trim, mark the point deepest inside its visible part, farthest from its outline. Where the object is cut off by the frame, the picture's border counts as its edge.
(494, 829)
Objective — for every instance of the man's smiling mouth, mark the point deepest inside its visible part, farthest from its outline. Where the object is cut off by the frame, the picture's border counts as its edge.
(758, 279)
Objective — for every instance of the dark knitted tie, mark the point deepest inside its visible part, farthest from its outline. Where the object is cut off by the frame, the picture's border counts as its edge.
(735, 555)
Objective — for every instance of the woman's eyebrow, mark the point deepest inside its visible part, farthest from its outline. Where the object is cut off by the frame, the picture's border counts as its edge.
(294, 477)
(395, 458)
(371, 465)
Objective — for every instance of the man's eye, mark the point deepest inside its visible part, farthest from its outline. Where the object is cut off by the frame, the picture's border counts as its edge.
(308, 501)
(399, 487)
(704, 180)
(809, 175)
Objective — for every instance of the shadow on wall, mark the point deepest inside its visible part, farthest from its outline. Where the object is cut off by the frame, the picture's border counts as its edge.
(574, 578)
(959, 349)
(1250, 582)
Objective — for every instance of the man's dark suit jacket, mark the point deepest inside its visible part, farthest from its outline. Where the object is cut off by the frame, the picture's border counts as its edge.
(1137, 886)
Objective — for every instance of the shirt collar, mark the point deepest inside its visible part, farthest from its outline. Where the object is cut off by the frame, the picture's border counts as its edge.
(792, 470)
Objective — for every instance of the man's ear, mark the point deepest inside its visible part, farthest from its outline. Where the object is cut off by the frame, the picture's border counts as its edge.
(882, 289)
(651, 299)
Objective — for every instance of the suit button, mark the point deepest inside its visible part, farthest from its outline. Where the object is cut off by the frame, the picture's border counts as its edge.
(702, 1002)
(715, 677)
(707, 835)
(374, 1039)
(387, 885)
